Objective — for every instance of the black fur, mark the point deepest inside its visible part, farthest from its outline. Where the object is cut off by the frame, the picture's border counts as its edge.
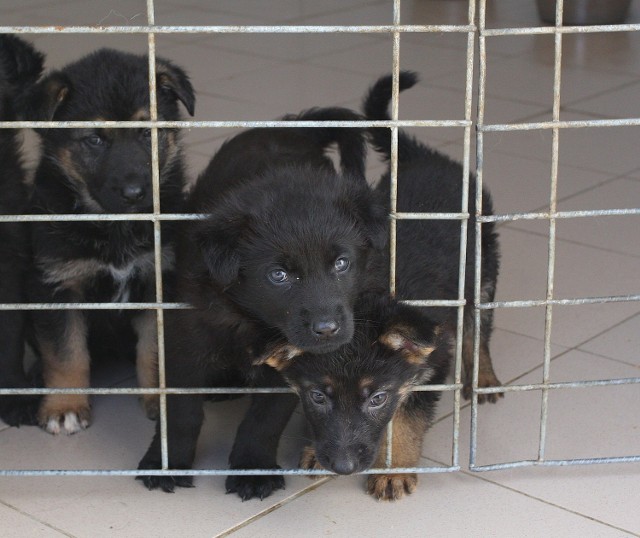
(396, 347)
(20, 66)
(428, 251)
(277, 210)
(97, 170)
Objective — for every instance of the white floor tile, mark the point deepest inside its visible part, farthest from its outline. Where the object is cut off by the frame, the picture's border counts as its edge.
(18, 525)
(341, 504)
(621, 343)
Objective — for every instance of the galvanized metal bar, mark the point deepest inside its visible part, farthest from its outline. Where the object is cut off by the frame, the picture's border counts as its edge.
(109, 217)
(555, 463)
(217, 472)
(157, 234)
(561, 302)
(152, 29)
(464, 226)
(283, 390)
(209, 124)
(477, 295)
(94, 306)
(564, 124)
(561, 215)
(393, 164)
(553, 201)
(536, 30)
(208, 390)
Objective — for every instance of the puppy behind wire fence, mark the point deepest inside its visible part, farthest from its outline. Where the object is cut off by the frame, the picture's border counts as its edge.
(549, 302)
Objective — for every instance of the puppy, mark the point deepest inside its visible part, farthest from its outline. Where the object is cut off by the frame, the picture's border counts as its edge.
(287, 247)
(428, 251)
(20, 67)
(100, 170)
(350, 395)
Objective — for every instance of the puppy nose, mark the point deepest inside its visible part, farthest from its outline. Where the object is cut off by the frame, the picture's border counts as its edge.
(132, 193)
(343, 466)
(325, 327)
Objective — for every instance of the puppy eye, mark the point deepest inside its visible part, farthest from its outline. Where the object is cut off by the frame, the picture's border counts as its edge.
(341, 264)
(378, 399)
(317, 397)
(94, 140)
(146, 133)
(278, 276)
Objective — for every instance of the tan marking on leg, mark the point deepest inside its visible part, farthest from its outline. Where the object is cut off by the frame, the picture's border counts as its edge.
(408, 433)
(147, 360)
(66, 365)
(486, 374)
(308, 461)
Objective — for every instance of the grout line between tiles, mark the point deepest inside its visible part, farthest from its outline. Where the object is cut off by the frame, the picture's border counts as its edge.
(549, 503)
(34, 518)
(275, 507)
(622, 86)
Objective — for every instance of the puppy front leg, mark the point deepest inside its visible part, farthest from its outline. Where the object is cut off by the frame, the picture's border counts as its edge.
(256, 444)
(409, 427)
(147, 359)
(184, 420)
(66, 364)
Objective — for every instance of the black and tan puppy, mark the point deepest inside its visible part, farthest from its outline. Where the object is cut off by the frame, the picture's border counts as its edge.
(100, 170)
(20, 66)
(286, 249)
(350, 395)
(428, 251)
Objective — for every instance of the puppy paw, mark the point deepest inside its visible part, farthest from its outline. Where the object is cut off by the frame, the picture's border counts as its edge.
(64, 415)
(248, 487)
(168, 484)
(151, 406)
(19, 410)
(308, 461)
(485, 379)
(391, 487)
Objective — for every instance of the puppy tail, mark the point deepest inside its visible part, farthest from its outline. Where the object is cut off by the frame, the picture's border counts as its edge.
(350, 140)
(376, 107)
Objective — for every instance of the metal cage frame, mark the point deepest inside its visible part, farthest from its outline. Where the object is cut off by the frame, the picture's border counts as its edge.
(474, 30)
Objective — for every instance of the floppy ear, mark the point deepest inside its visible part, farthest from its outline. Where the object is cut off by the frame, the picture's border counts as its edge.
(46, 99)
(217, 239)
(175, 82)
(410, 333)
(279, 356)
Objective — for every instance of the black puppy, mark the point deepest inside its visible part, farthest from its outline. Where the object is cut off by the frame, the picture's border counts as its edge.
(349, 396)
(20, 67)
(286, 249)
(100, 170)
(428, 251)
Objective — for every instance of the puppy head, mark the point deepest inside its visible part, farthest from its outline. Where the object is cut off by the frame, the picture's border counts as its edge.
(290, 253)
(350, 395)
(110, 169)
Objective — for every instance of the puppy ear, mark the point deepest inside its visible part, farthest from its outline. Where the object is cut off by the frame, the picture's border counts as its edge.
(47, 97)
(22, 64)
(410, 333)
(366, 206)
(218, 240)
(278, 357)
(174, 81)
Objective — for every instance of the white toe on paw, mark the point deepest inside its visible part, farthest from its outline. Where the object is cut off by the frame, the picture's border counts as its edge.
(73, 424)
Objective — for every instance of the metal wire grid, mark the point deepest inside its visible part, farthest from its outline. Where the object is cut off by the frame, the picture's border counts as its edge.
(552, 215)
(156, 217)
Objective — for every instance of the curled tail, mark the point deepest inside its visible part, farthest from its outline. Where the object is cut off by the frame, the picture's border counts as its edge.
(350, 140)
(376, 107)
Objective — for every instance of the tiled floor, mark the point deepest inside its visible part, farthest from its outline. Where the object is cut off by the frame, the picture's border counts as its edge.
(262, 76)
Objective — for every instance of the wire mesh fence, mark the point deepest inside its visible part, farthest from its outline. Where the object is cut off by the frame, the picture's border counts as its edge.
(477, 35)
